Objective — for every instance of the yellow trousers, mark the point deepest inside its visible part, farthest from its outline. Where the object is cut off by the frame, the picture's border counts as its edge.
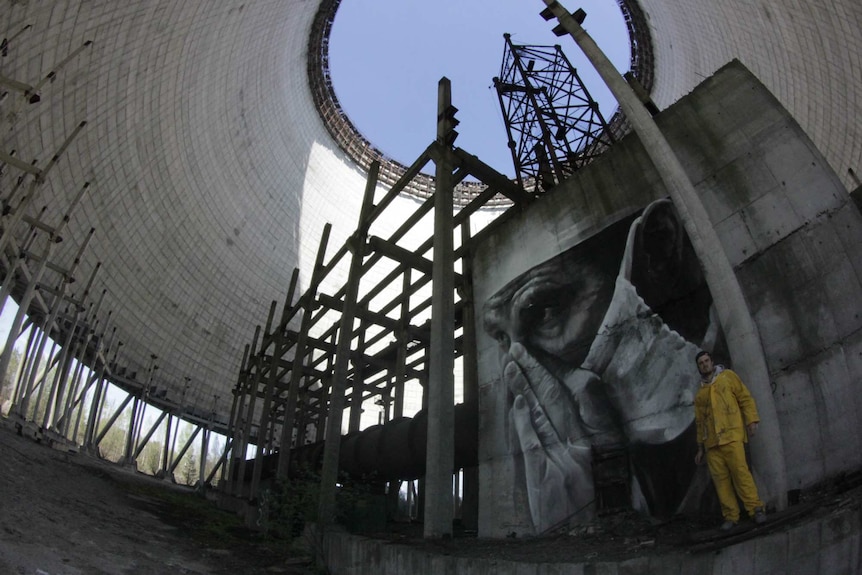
(732, 478)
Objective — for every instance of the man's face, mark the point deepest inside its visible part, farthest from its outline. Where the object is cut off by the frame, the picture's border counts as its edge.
(704, 364)
(555, 311)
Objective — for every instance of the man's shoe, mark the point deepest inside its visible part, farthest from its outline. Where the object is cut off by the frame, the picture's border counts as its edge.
(760, 516)
(728, 525)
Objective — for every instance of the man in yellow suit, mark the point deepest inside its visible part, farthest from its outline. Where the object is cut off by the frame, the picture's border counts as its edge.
(725, 416)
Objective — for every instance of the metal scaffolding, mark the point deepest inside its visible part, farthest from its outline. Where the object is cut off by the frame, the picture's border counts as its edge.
(366, 337)
(58, 388)
(553, 124)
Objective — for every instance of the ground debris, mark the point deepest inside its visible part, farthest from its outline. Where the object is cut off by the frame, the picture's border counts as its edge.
(73, 513)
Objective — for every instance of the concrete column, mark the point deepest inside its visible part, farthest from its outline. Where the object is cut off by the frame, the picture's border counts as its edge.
(20, 255)
(301, 422)
(59, 298)
(23, 307)
(33, 339)
(218, 468)
(79, 404)
(237, 425)
(172, 447)
(112, 420)
(139, 424)
(271, 381)
(253, 377)
(224, 475)
(167, 448)
(55, 399)
(185, 448)
(205, 441)
(329, 474)
(41, 383)
(470, 500)
(277, 355)
(19, 376)
(130, 433)
(441, 362)
(58, 412)
(147, 436)
(75, 399)
(96, 404)
(80, 350)
(743, 339)
(401, 357)
(270, 428)
(358, 382)
(299, 352)
(325, 385)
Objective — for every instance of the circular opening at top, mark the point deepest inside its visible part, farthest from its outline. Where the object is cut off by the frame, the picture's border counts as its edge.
(387, 56)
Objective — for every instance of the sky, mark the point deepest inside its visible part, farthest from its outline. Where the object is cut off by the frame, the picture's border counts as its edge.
(387, 56)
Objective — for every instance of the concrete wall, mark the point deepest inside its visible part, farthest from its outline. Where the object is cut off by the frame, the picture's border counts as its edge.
(792, 234)
(829, 544)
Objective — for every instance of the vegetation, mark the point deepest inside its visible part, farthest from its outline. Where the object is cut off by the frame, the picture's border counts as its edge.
(8, 383)
(208, 527)
(197, 517)
(285, 507)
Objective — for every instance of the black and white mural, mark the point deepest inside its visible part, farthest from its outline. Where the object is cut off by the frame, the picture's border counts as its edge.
(596, 355)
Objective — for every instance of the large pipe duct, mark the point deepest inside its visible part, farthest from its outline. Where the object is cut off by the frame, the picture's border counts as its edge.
(392, 451)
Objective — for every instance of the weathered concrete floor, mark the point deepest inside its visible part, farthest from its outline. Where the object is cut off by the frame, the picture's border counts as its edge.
(71, 514)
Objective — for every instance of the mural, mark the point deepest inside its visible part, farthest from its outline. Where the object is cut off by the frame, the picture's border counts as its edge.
(597, 351)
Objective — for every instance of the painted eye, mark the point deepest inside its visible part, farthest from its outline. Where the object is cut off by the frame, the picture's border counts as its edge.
(540, 316)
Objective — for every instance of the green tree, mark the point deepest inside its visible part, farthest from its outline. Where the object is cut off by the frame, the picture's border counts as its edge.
(188, 469)
(214, 452)
(7, 385)
(113, 445)
(150, 459)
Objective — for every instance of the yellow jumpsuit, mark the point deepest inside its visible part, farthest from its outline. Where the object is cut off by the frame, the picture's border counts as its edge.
(723, 409)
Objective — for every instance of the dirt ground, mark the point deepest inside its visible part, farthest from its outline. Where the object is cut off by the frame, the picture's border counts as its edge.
(64, 513)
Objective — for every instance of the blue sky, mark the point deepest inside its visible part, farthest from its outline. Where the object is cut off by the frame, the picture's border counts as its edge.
(386, 57)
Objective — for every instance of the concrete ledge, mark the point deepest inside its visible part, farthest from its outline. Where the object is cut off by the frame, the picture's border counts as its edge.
(828, 544)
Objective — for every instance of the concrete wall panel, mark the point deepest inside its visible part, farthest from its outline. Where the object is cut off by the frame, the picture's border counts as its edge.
(796, 401)
(826, 543)
(773, 200)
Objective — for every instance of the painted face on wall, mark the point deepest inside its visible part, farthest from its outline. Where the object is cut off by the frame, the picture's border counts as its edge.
(587, 364)
(545, 322)
(554, 311)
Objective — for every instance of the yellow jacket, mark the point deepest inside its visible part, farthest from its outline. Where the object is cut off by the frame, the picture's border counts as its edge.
(722, 409)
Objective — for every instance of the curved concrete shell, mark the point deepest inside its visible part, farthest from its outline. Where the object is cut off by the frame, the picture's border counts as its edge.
(211, 174)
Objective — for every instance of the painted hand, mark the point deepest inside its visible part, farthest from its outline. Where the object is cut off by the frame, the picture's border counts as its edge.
(556, 453)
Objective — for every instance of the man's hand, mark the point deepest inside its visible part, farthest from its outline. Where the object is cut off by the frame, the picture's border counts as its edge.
(698, 458)
(752, 428)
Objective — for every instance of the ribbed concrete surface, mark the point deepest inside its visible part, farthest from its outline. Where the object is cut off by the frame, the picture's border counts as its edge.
(212, 175)
(808, 53)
